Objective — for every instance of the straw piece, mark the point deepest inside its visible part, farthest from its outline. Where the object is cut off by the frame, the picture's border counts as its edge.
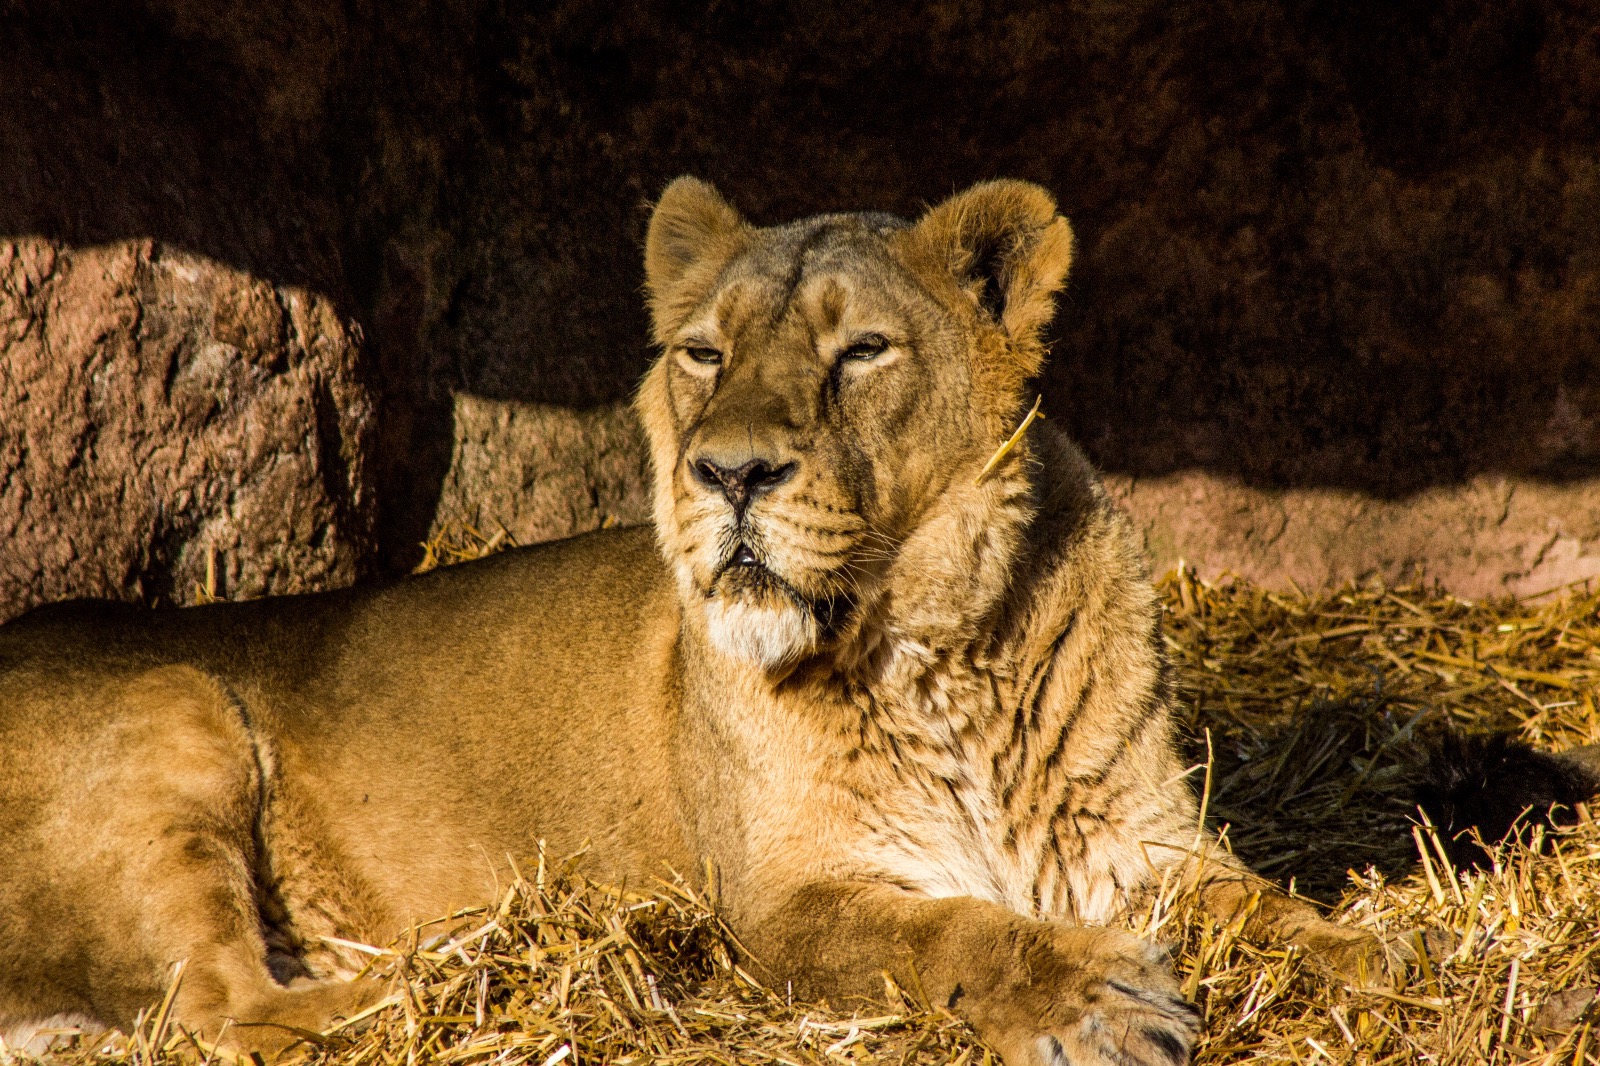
(1011, 442)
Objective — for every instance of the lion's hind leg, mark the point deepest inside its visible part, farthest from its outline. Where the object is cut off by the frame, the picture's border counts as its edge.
(144, 855)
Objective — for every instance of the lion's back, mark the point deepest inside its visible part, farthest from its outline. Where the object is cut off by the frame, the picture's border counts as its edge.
(585, 594)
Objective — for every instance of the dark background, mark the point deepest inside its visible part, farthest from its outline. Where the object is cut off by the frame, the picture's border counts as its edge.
(1342, 244)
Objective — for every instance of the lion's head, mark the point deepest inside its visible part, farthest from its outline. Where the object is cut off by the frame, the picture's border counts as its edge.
(827, 395)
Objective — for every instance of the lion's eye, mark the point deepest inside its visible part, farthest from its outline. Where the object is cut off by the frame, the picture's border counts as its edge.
(701, 353)
(866, 348)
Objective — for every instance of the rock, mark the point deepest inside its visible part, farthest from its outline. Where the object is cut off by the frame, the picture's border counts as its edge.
(165, 414)
(1561, 1012)
(543, 472)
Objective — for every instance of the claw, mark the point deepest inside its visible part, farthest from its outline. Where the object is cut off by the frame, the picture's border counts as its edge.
(1054, 1053)
(1174, 1049)
(1163, 1001)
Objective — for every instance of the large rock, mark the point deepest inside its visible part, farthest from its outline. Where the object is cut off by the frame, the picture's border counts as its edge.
(539, 472)
(166, 416)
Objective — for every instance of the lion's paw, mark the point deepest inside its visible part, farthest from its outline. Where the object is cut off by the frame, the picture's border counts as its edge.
(1129, 1026)
(1119, 1006)
(1355, 957)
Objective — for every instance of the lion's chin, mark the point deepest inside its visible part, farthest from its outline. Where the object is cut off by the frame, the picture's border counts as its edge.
(768, 631)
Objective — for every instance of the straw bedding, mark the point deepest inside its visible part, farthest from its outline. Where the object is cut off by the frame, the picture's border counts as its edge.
(1308, 717)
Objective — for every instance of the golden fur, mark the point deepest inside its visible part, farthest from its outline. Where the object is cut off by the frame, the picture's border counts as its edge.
(917, 719)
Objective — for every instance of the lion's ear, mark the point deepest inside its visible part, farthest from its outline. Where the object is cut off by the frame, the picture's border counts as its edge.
(1007, 247)
(691, 223)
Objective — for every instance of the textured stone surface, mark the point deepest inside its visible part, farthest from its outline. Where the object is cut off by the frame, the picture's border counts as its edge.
(163, 413)
(1490, 537)
(544, 472)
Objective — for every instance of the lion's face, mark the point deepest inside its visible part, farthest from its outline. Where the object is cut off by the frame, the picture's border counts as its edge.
(824, 388)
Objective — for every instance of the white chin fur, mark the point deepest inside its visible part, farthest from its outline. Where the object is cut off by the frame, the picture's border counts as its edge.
(770, 635)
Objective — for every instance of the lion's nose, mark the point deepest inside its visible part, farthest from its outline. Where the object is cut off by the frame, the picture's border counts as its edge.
(741, 484)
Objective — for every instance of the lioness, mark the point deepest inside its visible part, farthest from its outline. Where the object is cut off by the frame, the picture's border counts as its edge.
(914, 712)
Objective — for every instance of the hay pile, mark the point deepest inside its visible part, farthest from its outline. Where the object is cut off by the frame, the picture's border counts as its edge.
(1315, 707)
(1310, 708)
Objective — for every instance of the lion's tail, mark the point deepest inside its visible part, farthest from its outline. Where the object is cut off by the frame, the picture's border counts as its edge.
(1496, 782)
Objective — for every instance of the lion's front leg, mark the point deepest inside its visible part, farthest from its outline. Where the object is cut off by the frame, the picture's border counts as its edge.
(1040, 993)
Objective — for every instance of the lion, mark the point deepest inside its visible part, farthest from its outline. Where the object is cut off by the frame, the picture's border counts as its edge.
(900, 690)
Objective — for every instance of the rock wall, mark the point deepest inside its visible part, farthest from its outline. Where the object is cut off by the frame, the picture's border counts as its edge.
(1492, 536)
(1335, 253)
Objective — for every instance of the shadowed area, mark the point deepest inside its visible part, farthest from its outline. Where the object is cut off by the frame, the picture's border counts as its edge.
(1329, 718)
(1344, 245)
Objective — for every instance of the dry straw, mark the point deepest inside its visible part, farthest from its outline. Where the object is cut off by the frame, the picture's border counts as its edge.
(1312, 707)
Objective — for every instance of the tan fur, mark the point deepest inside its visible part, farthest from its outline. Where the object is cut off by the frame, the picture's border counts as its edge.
(925, 730)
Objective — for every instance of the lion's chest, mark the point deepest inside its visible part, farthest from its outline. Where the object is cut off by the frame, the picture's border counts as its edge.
(931, 831)
(942, 811)
(917, 797)
(951, 836)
